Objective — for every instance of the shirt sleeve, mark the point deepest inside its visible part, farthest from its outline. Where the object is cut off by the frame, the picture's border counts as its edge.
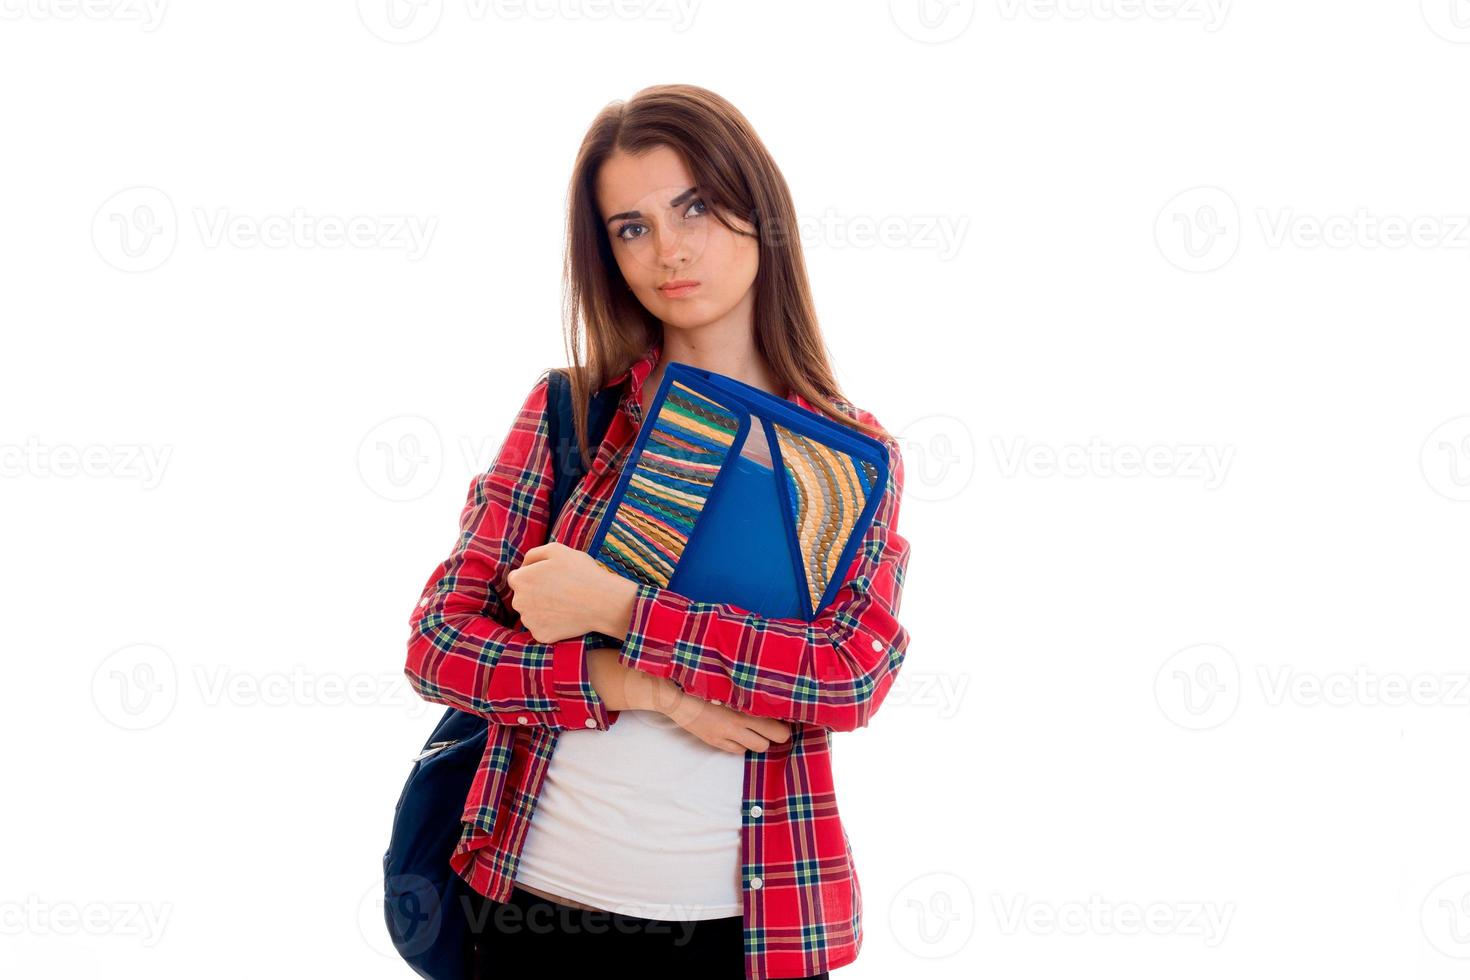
(834, 671)
(466, 647)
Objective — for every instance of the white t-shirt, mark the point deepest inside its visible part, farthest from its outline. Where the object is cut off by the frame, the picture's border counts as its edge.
(643, 819)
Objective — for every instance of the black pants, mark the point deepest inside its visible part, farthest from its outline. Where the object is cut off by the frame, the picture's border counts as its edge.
(530, 936)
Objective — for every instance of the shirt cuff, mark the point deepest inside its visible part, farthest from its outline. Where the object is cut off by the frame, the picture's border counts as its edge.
(656, 643)
(577, 703)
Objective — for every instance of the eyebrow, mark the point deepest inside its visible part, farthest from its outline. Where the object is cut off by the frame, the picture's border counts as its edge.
(638, 214)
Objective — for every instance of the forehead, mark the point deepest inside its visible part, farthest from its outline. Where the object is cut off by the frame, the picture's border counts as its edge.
(650, 179)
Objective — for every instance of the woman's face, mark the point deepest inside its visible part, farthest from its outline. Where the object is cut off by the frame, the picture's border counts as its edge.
(662, 232)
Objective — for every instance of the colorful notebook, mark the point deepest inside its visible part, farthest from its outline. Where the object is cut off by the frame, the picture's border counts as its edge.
(732, 494)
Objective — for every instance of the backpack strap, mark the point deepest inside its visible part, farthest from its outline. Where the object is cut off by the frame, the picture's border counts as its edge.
(561, 433)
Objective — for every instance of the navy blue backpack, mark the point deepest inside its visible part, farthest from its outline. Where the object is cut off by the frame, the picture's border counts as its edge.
(425, 902)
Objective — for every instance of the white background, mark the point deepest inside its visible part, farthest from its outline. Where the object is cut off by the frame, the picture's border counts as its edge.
(1205, 718)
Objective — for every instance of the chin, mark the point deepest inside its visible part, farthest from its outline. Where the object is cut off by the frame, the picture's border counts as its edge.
(686, 317)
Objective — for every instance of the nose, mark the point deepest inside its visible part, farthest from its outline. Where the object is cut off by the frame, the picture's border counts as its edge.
(668, 242)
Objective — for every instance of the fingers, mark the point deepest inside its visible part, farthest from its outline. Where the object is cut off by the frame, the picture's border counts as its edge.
(725, 728)
(752, 739)
(772, 728)
(538, 553)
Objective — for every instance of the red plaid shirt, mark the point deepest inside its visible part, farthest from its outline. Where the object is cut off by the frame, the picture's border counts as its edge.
(802, 901)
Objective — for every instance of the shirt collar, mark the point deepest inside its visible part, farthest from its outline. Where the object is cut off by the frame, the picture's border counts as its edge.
(632, 401)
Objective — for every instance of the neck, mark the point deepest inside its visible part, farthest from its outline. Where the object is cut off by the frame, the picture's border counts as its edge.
(725, 346)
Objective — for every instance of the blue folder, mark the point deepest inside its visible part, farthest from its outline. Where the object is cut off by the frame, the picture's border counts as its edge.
(732, 494)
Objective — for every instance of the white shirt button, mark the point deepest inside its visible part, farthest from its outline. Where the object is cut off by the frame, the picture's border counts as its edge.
(590, 722)
(877, 646)
(755, 883)
(523, 720)
(423, 602)
(756, 811)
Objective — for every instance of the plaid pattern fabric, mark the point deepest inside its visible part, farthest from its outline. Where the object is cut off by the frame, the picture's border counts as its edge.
(802, 901)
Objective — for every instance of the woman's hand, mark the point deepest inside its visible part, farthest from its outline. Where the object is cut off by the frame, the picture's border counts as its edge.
(622, 687)
(724, 728)
(561, 592)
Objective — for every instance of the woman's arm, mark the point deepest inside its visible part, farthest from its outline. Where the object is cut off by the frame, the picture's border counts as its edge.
(621, 687)
(724, 728)
(834, 671)
(465, 647)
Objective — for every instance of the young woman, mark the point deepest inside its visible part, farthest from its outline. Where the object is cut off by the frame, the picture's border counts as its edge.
(667, 804)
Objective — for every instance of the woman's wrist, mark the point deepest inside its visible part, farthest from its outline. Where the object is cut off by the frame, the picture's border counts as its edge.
(621, 687)
(616, 610)
(665, 696)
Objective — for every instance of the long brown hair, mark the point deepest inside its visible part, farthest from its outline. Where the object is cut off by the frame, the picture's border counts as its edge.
(735, 175)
